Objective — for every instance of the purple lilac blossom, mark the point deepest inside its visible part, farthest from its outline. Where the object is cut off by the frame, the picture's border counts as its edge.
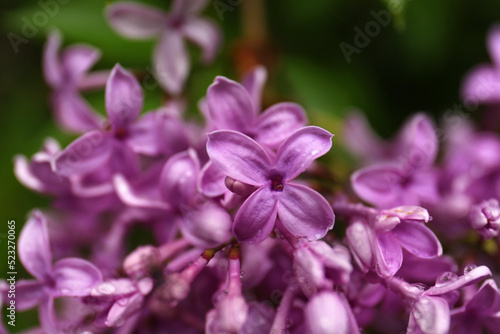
(302, 211)
(170, 58)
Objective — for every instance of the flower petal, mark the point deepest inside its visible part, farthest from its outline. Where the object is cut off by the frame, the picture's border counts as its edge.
(361, 242)
(171, 62)
(429, 315)
(378, 184)
(417, 143)
(75, 277)
(471, 277)
(300, 149)
(124, 98)
(52, 67)
(482, 85)
(33, 247)
(493, 44)
(230, 106)
(418, 239)
(132, 197)
(255, 218)
(179, 177)
(86, 153)
(205, 34)
(73, 113)
(304, 212)
(211, 180)
(277, 122)
(185, 8)
(78, 59)
(254, 82)
(136, 21)
(38, 176)
(239, 157)
(487, 299)
(389, 255)
(29, 293)
(124, 309)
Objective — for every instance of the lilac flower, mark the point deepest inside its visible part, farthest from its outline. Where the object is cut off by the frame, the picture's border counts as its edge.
(482, 84)
(233, 106)
(328, 312)
(37, 174)
(377, 245)
(231, 309)
(170, 58)
(485, 217)
(67, 74)
(407, 180)
(173, 189)
(67, 277)
(318, 265)
(302, 211)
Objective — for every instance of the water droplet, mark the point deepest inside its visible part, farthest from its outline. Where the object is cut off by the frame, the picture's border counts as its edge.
(122, 302)
(106, 288)
(242, 273)
(446, 278)
(259, 233)
(314, 152)
(420, 286)
(65, 291)
(468, 268)
(317, 235)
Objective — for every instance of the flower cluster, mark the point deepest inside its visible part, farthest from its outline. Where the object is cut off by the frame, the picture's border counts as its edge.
(239, 213)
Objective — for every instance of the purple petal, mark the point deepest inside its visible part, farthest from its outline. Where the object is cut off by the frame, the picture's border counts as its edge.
(389, 255)
(471, 277)
(72, 112)
(318, 314)
(361, 239)
(124, 309)
(230, 106)
(418, 239)
(429, 315)
(86, 153)
(238, 156)
(33, 247)
(205, 34)
(134, 198)
(52, 67)
(493, 44)
(77, 60)
(309, 270)
(486, 300)
(300, 149)
(378, 184)
(255, 218)
(38, 176)
(277, 122)
(47, 316)
(417, 142)
(304, 212)
(29, 293)
(171, 62)
(136, 21)
(185, 8)
(482, 85)
(254, 82)
(179, 177)
(211, 180)
(75, 277)
(124, 98)
(360, 138)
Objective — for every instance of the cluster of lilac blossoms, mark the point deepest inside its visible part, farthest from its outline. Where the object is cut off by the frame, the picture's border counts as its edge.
(240, 213)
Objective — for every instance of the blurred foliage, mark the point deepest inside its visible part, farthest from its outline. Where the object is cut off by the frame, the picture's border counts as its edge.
(415, 63)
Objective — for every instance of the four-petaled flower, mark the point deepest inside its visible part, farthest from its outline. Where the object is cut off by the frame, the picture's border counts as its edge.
(301, 210)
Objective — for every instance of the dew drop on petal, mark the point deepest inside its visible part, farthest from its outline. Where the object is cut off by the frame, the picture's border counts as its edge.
(65, 291)
(446, 278)
(317, 236)
(123, 301)
(468, 268)
(106, 288)
(242, 273)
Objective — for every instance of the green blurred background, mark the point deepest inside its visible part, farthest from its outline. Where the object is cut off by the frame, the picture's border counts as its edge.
(415, 63)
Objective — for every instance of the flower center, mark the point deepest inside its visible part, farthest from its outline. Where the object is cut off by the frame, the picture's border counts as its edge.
(276, 183)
